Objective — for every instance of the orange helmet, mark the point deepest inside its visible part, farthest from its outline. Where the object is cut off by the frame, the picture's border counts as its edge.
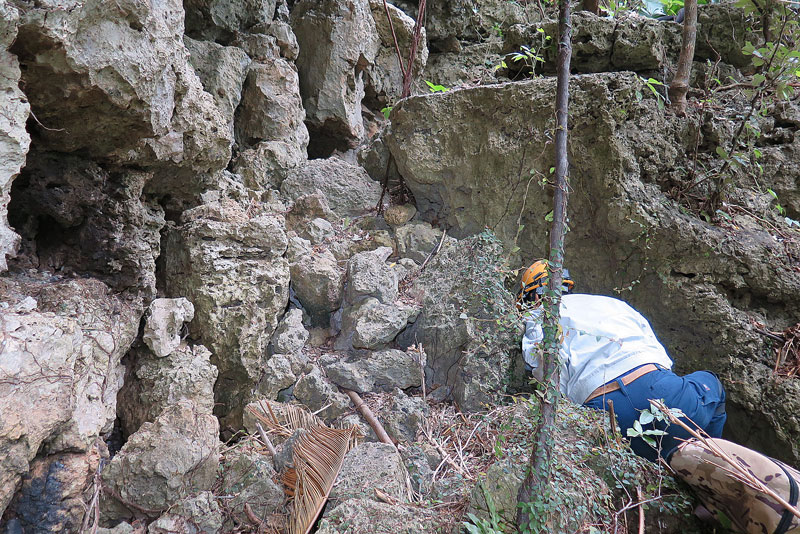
(534, 280)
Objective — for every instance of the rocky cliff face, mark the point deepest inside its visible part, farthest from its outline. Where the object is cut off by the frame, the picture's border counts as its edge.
(202, 206)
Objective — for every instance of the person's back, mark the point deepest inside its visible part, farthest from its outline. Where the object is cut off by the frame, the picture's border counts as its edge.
(603, 337)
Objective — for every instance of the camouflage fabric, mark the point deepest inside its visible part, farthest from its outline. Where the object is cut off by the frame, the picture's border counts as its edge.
(737, 505)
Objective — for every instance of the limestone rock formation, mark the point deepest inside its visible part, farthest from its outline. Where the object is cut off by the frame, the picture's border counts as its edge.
(220, 20)
(175, 456)
(155, 383)
(196, 515)
(317, 279)
(228, 261)
(291, 335)
(76, 216)
(375, 371)
(163, 325)
(117, 85)
(14, 139)
(338, 41)
(367, 467)
(61, 369)
(347, 188)
(366, 515)
(249, 478)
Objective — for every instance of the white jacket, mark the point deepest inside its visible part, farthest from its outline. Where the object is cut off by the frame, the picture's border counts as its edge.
(603, 339)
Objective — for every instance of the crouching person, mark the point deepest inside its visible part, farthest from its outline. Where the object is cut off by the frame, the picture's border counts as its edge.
(610, 353)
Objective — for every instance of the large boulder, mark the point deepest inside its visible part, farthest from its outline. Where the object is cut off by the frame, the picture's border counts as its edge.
(366, 515)
(625, 232)
(338, 41)
(199, 514)
(317, 279)
(14, 138)
(221, 20)
(249, 478)
(62, 350)
(114, 82)
(347, 188)
(228, 261)
(375, 371)
(175, 456)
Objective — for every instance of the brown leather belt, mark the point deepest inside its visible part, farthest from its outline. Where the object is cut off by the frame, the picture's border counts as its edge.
(626, 379)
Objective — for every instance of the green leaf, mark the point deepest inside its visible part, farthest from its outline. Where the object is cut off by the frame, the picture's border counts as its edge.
(646, 417)
(549, 216)
(721, 152)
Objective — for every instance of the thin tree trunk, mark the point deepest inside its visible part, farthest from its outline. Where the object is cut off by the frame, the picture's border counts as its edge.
(680, 83)
(538, 477)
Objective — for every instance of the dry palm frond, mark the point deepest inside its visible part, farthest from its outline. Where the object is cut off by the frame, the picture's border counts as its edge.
(290, 418)
(318, 457)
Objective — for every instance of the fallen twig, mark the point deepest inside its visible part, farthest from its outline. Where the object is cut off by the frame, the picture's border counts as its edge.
(266, 440)
(433, 252)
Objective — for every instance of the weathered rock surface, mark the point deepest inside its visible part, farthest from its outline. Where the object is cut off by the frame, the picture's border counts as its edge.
(404, 416)
(14, 138)
(269, 124)
(365, 515)
(220, 20)
(338, 41)
(715, 279)
(60, 367)
(317, 279)
(175, 456)
(347, 188)
(55, 491)
(417, 240)
(229, 263)
(316, 392)
(368, 467)
(196, 515)
(375, 371)
(76, 216)
(468, 325)
(277, 376)
(369, 324)
(248, 477)
(117, 85)
(163, 325)
(291, 335)
(368, 275)
(222, 70)
(156, 383)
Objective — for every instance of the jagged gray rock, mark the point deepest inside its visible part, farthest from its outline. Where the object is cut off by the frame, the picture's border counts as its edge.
(14, 138)
(229, 263)
(156, 383)
(347, 188)
(373, 371)
(163, 325)
(417, 240)
(76, 216)
(367, 467)
(64, 364)
(369, 324)
(368, 275)
(316, 392)
(316, 278)
(248, 477)
(162, 462)
(338, 41)
(278, 375)
(196, 515)
(365, 515)
(404, 416)
(117, 85)
(220, 20)
(271, 113)
(291, 335)
(222, 71)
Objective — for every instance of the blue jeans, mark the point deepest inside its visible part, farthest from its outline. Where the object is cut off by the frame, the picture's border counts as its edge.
(699, 395)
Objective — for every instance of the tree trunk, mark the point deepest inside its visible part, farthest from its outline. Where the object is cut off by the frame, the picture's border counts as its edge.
(537, 479)
(680, 83)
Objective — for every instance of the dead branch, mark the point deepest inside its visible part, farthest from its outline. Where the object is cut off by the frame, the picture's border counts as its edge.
(376, 425)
